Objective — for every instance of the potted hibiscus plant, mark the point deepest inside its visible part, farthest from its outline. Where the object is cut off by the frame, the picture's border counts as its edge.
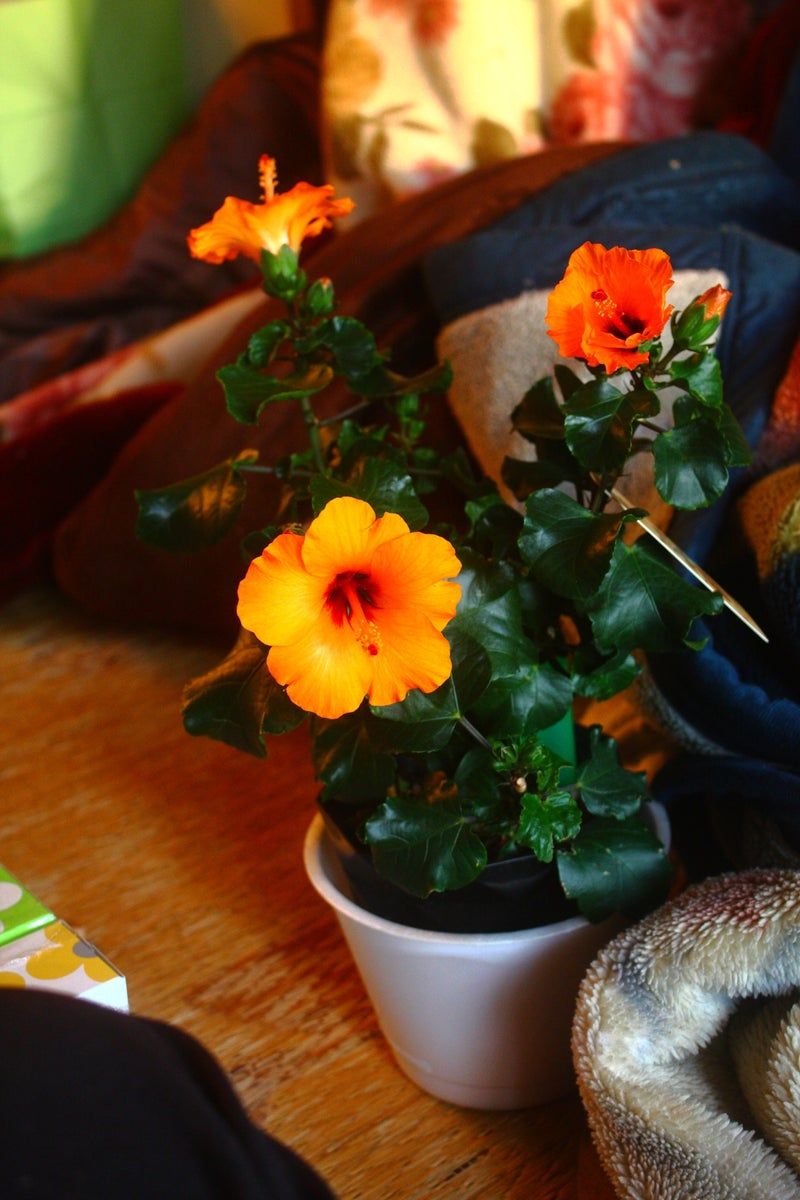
(436, 649)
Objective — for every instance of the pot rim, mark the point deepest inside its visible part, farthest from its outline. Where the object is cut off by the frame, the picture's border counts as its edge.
(317, 848)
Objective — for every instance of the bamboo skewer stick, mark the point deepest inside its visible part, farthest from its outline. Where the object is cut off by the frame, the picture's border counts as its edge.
(698, 572)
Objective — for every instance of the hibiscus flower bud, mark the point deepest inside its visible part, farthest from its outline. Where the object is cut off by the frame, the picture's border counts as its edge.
(700, 319)
(714, 301)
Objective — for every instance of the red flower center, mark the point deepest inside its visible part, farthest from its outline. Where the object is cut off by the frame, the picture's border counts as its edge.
(615, 321)
(352, 595)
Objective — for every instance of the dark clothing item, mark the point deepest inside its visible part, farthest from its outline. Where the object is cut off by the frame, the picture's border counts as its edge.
(94, 1103)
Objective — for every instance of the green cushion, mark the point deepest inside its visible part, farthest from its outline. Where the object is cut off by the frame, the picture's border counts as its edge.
(90, 92)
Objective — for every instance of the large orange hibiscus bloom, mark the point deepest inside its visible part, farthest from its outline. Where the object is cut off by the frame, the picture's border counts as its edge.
(608, 303)
(281, 220)
(354, 608)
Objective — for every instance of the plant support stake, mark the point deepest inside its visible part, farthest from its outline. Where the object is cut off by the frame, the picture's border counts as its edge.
(698, 572)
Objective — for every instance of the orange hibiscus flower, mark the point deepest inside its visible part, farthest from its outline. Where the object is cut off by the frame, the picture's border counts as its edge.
(608, 303)
(286, 220)
(354, 608)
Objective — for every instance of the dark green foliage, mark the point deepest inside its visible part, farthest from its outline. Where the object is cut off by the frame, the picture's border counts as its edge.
(554, 603)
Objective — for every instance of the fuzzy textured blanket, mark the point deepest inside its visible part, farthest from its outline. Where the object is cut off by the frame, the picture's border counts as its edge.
(686, 1043)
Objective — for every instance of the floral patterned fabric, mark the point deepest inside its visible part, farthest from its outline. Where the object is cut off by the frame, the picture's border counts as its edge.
(417, 90)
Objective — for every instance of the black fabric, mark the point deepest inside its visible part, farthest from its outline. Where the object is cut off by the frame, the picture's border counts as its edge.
(96, 1104)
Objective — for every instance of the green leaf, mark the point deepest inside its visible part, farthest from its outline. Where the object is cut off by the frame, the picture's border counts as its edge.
(539, 414)
(353, 346)
(600, 422)
(425, 721)
(614, 866)
(197, 512)
(567, 380)
(690, 464)
(247, 391)
(265, 342)
(534, 697)
(355, 444)
(364, 367)
(254, 543)
(523, 478)
(457, 469)
(701, 374)
(607, 789)
(495, 525)
(567, 547)
(644, 603)
(478, 784)
(737, 450)
(541, 609)
(383, 484)
(490, 612)
(600, 676)
(735, 447)
(546, 820)
(421, 723)
(423, 847)
(347, 760)
(239, 701)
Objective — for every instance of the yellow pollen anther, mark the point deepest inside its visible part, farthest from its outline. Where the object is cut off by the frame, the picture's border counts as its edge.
(369, 638)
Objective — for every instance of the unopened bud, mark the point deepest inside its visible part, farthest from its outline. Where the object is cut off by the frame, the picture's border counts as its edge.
(714, 301)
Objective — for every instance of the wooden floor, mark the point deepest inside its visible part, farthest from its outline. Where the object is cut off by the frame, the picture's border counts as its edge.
(181, 860)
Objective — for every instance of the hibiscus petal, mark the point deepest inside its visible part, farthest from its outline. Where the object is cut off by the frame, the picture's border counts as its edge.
(410, 574)
(638, 281)
(413, 654)
(565, 317)
(327, 672)
(230, 232)
(278, 600)
(243, 228)
(339, 538)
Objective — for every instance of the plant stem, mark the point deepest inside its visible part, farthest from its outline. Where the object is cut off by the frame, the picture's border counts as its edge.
(659, 368)
(298, 473)
(473, 732)
(312, 425)
(348, 412)
(256, 468)
(600, 494)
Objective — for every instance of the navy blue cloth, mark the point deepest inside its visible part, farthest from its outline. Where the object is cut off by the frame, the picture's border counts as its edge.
(703, 180)
(708, 200)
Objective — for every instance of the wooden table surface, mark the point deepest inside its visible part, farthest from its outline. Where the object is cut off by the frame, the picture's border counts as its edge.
(181, 860)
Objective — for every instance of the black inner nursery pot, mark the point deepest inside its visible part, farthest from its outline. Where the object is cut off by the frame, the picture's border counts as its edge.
(516, 893)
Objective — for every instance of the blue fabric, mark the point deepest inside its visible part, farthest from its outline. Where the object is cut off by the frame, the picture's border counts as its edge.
(709, 798)
(709, 200)
(702, 180)
(785, 142)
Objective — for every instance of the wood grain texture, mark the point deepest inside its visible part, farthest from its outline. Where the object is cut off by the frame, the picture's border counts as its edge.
(181, 860)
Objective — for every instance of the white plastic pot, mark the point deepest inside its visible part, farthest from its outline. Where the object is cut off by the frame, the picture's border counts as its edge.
(481, 1020)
